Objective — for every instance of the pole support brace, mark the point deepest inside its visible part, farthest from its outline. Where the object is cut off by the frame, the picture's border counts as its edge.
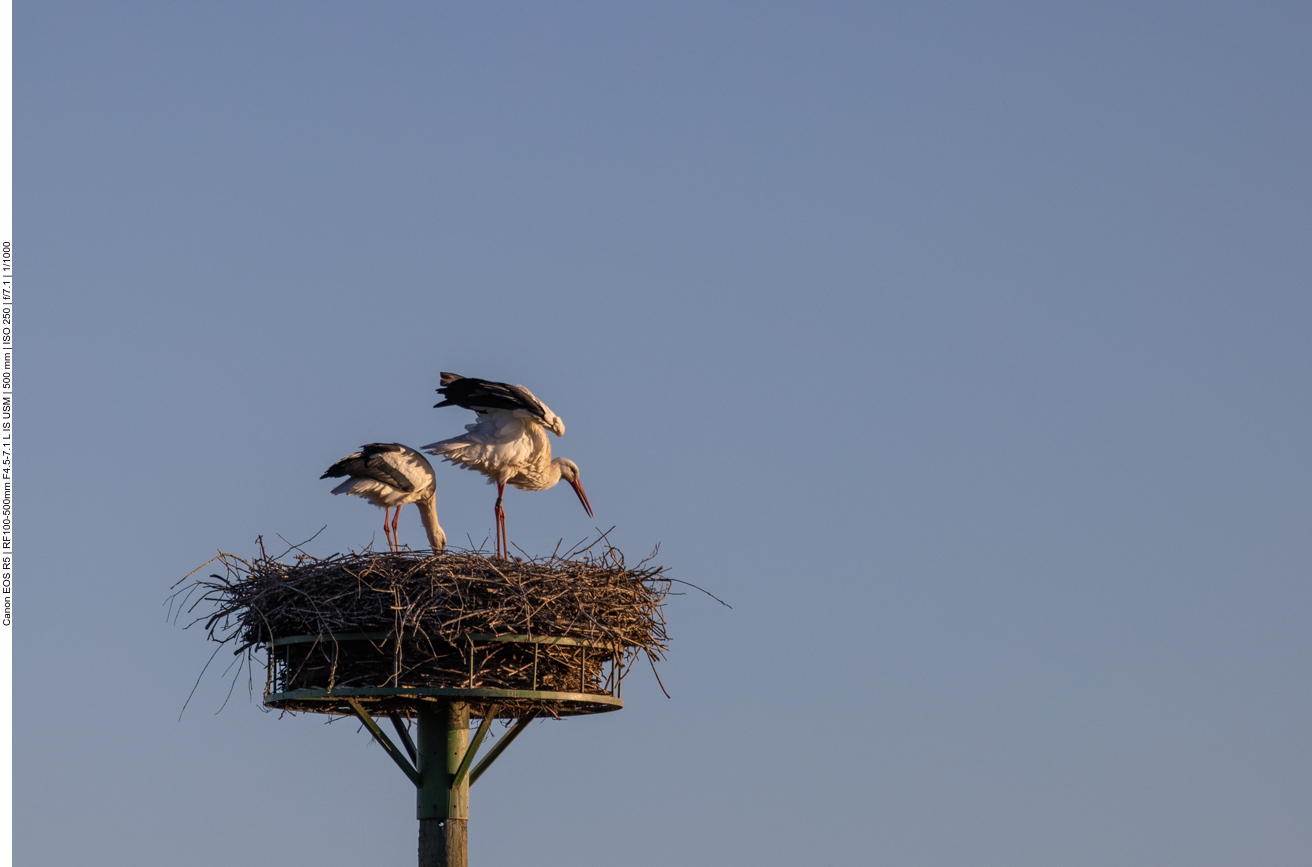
(500, 748)
(384, 742)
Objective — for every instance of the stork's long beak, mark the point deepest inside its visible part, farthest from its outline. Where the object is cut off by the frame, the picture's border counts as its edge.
(583, 497)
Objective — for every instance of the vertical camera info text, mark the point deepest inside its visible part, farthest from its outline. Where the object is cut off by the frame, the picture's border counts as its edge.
(6, 431)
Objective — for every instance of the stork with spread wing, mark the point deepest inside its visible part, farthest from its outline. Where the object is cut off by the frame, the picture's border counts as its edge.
(508, 443)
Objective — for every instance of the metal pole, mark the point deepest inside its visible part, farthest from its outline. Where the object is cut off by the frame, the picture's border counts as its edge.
(443, 810)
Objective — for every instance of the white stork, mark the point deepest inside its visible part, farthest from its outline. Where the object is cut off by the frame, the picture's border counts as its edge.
(508, 443)
(390, 475)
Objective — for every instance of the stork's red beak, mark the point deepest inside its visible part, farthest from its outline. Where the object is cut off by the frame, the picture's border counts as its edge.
(583, 497)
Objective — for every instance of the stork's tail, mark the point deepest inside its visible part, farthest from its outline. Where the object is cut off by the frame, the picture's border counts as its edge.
(445, 449)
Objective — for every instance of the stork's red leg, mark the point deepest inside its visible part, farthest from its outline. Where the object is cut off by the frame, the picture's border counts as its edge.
(387, 531)
(396, 537)
(502, 543)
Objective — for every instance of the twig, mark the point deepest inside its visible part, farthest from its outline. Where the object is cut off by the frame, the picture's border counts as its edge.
(295, 547)
(695, 587)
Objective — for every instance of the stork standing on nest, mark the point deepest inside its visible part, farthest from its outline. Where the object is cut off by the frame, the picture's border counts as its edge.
(508, 443)
(389, 475)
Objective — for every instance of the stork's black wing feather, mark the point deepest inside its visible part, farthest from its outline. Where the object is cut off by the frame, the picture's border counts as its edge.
(481, 394)
(368, 463)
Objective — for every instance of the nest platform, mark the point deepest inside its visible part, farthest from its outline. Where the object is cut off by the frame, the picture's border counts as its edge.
(388, 633)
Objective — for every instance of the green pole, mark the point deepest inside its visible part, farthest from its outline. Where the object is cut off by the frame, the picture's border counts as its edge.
(443, 810)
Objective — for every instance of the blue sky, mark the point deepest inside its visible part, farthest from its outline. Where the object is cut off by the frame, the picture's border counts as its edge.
(963, 348)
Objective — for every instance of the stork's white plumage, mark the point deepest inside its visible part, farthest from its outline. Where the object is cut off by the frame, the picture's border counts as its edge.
(508, 443)
(389, 475)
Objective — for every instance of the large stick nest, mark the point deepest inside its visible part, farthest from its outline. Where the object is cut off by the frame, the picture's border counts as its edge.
(444, 609)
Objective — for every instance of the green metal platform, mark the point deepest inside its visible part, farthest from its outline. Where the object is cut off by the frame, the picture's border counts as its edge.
(404, 698)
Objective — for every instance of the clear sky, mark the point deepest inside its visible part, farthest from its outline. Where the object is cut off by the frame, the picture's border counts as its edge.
(963, 348)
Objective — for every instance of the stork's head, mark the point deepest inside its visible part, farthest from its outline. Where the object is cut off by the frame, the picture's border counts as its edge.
(569, 471)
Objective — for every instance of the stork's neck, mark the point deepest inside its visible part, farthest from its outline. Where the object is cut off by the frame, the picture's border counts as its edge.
(537, 476)
(428, 514)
